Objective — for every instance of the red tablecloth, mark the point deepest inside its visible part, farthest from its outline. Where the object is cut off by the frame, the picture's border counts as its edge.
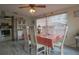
(48, 40)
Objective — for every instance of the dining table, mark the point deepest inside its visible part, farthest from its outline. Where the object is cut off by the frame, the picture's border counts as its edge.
(48, 40)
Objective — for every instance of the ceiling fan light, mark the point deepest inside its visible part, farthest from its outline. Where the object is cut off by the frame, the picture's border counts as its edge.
(32, 10)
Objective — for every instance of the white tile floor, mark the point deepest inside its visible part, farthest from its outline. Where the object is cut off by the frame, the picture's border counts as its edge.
(16, 48)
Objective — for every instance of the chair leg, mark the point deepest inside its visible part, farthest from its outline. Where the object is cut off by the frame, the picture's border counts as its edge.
(76, 43)
(47, 52)
(62, 50)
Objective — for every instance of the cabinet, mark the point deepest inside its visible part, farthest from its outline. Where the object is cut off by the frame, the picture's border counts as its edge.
(21, 25)
(5, 29)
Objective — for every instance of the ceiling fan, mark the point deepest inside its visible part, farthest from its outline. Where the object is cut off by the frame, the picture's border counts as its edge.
(32, 7)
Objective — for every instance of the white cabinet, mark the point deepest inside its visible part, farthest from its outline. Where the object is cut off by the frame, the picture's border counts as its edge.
(21, 25)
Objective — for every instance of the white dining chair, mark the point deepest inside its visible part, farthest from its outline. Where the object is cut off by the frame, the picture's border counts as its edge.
(60, 43)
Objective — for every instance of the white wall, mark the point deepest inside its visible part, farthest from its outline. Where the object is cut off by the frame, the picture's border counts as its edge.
(73, 23)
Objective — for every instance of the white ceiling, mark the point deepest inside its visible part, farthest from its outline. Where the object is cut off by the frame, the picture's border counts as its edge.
(39, 11)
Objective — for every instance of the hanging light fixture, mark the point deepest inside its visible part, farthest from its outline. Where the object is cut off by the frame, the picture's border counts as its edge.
(32, 10)
(32, 7)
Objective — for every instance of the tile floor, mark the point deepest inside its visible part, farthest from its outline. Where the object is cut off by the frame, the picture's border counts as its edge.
(16, 48)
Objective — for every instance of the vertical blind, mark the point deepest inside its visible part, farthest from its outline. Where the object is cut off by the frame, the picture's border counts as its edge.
(53, 24)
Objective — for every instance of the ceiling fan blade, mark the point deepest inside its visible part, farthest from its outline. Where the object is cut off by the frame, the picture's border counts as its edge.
(24, 7)
(40, 6)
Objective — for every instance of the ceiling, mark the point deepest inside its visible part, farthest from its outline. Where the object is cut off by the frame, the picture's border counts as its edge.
(39, 11)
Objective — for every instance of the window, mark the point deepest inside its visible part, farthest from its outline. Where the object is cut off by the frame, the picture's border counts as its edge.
(53, 24)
